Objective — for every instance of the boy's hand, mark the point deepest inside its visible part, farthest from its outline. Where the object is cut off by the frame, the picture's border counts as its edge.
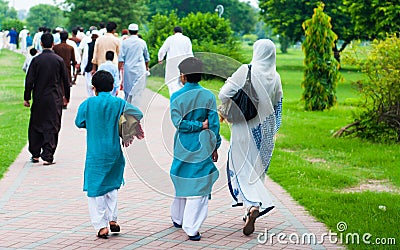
(205, 124)
(215, 156)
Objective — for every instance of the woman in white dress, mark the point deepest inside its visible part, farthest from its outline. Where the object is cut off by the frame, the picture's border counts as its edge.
(252, 142)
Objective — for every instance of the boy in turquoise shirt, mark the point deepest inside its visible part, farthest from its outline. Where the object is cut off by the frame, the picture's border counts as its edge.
(104, 166)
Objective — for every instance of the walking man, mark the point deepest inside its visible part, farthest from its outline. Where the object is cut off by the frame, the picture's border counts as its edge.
(177, 47)
(67, 53)
(105, 43)
(134, 60)
(47, 79)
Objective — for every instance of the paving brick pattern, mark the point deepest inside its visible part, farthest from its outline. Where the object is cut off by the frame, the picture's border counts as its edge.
(44, 207)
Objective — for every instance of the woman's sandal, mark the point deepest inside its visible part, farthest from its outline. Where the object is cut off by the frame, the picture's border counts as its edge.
(114, 227)
(103, 235)
(250, 220)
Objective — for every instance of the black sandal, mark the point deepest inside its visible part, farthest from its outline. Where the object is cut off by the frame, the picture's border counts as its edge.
(103, 236)
(34, 160)
(115, 228)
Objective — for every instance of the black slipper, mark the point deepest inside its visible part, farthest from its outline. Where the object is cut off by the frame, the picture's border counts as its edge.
(47, 163)
(103, 236)
(115, 228)
(197, 237)
(34, 160)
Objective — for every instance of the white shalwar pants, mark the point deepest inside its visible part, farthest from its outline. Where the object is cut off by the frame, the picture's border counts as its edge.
(89, 87)
(103, 209)
(190, 212)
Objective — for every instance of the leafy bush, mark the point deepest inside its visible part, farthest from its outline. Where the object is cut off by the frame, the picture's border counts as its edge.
(9, 23)
(379, 117)
(207, 31)
(321, 73)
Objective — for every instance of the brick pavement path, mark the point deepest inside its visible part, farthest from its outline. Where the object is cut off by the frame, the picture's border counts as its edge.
(44, 207)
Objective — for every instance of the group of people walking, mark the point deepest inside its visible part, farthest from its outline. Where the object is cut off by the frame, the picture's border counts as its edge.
(193, 112)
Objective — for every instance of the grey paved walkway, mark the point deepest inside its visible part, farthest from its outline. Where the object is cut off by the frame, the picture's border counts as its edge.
(43, 207)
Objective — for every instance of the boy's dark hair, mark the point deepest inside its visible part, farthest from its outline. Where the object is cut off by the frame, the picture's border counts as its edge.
(47, 40)
(63, 35)
(178, 29)
(33, 51)
(109, 55)
(102, 25)
(192, 68)
(103, 81)
(111, 26)
(75, 31)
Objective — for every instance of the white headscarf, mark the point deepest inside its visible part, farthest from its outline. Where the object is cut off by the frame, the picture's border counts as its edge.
(264, 68)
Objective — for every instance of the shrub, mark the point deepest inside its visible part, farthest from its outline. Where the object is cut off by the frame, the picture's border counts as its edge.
(207, 31)
(379, 117)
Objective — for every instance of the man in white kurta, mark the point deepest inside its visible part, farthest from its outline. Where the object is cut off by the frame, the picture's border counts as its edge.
(22, 40)
(177, 47)
(134, 60)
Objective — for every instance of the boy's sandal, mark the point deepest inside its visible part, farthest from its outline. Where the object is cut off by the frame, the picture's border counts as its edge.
(48, 163)
(197, 237)
(114, 227)
(103, 236)
(250, 220)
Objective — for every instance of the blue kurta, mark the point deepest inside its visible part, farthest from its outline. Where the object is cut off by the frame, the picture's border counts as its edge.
(193, 171)
(104, 167)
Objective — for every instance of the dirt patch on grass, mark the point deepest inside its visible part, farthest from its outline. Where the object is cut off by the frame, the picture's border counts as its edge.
(374, 186)
(288, 150)
(316, 160)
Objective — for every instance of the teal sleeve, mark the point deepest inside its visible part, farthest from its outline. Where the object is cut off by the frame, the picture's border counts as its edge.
(213, 123)
(184, 126)
(132, 110)
(80, 119)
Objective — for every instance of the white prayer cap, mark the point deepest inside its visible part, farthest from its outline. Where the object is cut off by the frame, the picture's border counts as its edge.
(133, 27)
(59, 29)
(95, 32)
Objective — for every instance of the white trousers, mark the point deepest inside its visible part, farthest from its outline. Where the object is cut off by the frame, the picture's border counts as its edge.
(190, 212)
(89, 87)
(103, 209)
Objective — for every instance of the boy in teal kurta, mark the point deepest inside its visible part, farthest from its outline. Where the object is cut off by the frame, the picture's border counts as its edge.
(194, 115)
(104, 167)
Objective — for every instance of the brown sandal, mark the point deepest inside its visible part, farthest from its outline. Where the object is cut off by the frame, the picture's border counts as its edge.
(250, 220)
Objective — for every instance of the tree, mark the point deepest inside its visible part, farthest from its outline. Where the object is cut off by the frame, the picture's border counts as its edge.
(373, 18)
(91, 13)
(241, 15)
(7, 14)
(321, 73)
(45, 15)
(286, 18)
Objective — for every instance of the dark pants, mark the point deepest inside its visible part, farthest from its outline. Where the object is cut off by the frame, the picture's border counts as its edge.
(42, 144)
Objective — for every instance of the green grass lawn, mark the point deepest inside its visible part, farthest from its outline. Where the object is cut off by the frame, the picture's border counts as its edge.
(318, 170)
(13, 115)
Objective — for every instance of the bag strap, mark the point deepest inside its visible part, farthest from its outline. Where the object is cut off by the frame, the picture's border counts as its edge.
(248, 77)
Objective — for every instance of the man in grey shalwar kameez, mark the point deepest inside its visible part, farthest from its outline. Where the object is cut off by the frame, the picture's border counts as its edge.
(134, 60)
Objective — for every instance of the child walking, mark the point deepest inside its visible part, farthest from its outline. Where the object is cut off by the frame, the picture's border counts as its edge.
(113, 69)
(194, 115)
(104, 166)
